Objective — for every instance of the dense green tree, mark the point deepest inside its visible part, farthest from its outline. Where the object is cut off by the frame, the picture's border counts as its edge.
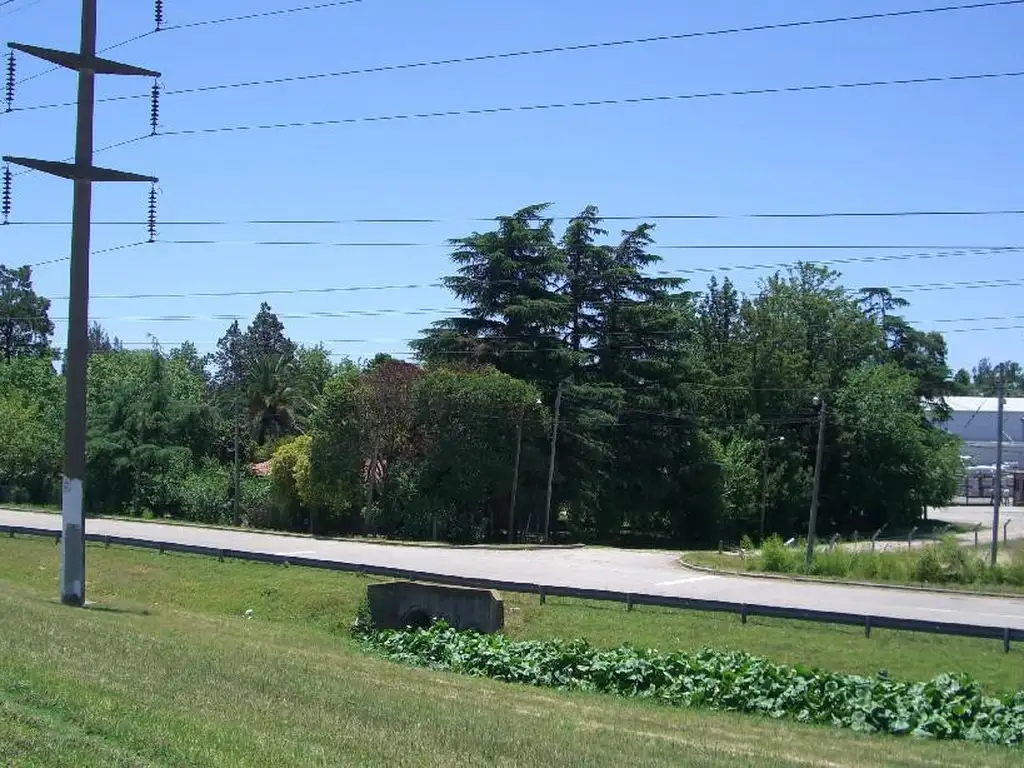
(100, 341)
(148, 428)
(32, 414)
(25, 326)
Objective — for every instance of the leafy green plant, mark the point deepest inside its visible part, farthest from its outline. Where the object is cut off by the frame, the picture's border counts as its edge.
(947, 707)
(928, 568)
(775, 557)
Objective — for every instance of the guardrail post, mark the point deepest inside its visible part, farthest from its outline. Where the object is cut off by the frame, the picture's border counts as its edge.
(1007, 523)
(721, 546)
(106, 542)
(910, 537)
(1006, 640)
(629, 602)
(867, 626)
(11, 533)
(743, 614)
(543, 596)
(220, 556)
(161, 548)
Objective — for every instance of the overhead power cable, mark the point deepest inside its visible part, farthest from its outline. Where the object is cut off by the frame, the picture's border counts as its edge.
(522, 108)
(530, 52)
(552, 106)
(209, 23)
(514, 351)
(493, 219)
(921, 255)
(397, 311)
(909, 288)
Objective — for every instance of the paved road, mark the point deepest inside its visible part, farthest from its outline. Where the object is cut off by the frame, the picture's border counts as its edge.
(622, 570)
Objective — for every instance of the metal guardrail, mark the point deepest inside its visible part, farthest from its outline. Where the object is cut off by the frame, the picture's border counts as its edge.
(867, 621)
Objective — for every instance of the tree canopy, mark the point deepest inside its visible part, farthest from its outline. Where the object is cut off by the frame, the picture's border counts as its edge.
(685, 414)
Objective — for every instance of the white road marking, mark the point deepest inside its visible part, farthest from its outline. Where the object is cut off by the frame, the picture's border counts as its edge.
(683, 581)
(296, 554)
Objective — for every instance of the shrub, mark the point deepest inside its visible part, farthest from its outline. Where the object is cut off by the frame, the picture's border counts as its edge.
(928, 567)
(205, 494)
(948, 707)
(776, 557)
(837, 563)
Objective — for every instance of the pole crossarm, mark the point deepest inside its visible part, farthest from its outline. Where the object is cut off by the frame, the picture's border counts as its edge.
(77, 173)
(80, 63)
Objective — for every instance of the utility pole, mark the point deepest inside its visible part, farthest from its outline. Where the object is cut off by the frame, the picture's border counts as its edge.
(997, 491)
(236, 478)
(515, 475)
(83, 173)
(551, 462)
(812, 523)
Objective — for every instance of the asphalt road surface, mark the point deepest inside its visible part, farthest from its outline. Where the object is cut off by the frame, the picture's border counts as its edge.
(590, 568)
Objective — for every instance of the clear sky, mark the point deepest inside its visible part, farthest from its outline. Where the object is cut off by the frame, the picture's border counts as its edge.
(935, 146)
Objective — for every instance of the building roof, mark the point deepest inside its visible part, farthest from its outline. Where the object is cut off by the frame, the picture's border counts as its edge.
(984, 404)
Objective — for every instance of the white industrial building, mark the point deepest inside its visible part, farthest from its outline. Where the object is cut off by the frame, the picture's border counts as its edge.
(975, 421)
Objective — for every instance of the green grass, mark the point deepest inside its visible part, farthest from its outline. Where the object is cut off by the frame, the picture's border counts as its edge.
(164, 670)
(947, 565)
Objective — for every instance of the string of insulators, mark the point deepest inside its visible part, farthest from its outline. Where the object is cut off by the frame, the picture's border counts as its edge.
(158, 13)
(5, 196)
(151, 218)
(154, 108)
(9, 91)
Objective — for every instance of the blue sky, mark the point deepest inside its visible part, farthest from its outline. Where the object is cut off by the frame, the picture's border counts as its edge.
(935, 146)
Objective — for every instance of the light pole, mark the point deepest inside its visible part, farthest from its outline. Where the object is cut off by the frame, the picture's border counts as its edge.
(515, 472)
(812, 522)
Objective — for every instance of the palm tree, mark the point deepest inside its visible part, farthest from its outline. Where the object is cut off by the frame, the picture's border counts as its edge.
(272, 398)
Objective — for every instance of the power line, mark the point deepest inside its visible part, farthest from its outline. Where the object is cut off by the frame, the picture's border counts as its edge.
(62, 259)
(204, 23)
(923, 255)
(596, 103)
(515, 351)
(19, 9)
(272, 13)
(492, 219)
(568, 48)
(910, 288)
(356, 313)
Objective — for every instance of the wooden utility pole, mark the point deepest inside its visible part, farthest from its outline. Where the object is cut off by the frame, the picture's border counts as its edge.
(997, 490)
(551, 462)
(515, 475)
(812, 522)
(83, 173)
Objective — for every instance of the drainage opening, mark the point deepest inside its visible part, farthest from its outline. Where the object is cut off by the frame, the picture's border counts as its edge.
(417, 618)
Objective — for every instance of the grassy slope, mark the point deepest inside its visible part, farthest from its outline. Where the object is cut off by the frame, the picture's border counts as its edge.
(165, 671)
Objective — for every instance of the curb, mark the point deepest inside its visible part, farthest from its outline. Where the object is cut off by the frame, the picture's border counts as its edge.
(848, 583)
(293, 534)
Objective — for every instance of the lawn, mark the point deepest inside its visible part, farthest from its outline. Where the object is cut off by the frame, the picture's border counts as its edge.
(165, 670)
(946, 564)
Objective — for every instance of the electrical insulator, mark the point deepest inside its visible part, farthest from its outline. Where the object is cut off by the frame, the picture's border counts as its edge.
(5, 196)
(154, 108)
(151, 219)
(9, 91)
(158, 13)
